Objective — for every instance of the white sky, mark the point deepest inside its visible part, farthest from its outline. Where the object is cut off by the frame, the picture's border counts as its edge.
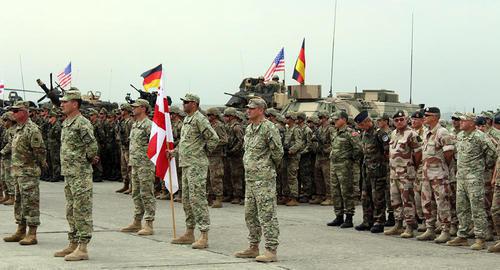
(207, 47)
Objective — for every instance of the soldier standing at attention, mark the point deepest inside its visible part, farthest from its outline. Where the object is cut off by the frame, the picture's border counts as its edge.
(306, 188)
(54, 146)
(495, 208)
(263, 154)
(78, 152)
(321, 142)
(345, 151)
(294, 143)
(9, 123)
(142, 172)
(273, 116)
(197, 137)
(383, 125)
(99, 136)
(437, 154)
(374, 144)
(417, 124)
(215, 159)
(125, 125)
(28, 157)
(473, 151)
(234, 152)
(176, 115)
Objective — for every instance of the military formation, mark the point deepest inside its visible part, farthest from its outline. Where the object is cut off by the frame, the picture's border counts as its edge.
(410, 171)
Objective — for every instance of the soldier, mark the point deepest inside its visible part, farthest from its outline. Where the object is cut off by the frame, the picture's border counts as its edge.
(176, 117)
(417, 124)
(306, 161)
(28, 157)
(495, 209)
(103, 140)
(473, 151)
(437, 154)
(454, 131)
(321, 141)
(294, 143)
(345, 151)
(275, 85)
(405, 155)
(112, 146)
(125, 125)
(100, 138)
(234, 153)
(374, 144)
(197, 137)
(215, 159)
(142, 171)
(263, 153)
(9, 123)
(78, 152)
(54, 146)
(383, 124)
(274, 116)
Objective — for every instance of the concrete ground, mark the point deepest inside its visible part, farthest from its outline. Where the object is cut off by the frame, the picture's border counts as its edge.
(306, 243)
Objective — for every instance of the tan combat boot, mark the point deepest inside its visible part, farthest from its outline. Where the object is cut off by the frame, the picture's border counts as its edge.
(135, 226)
(147, 229)
(292, 202)
(18, 235)
(124, 188)
(202, 242)
(218, 202)
(396, 230)
(327, 202)
(186, 239)
(30, 238)
(457, 242)
(479, 244)
(495, 248)
(408, 233)
(10, 201)
(67, 250)
(317, 200)
(443, 238)
(269, 256)
(78, 254)
(453, 230)
(251, 252)
(428, 235)
(128, 191)
(4, 198)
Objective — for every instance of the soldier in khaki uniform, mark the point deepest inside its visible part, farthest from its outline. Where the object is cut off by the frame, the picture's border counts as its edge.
(417, 124)
(215, 159)
(234, 153)
(306, 188)
(293, 145)
(176, 117)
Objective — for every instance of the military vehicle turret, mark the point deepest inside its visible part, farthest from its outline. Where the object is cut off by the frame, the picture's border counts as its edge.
(272, 92)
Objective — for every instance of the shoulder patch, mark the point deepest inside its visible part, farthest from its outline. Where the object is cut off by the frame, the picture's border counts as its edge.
(385, 138)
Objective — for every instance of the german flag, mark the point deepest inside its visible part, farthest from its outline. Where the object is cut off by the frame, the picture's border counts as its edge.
(152, 78)
(299, 73)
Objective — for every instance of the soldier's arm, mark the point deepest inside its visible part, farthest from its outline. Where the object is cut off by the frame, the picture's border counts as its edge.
(299, 141)
(87, 137)
(448, 144)
(356, 145)
(208, 134)
(238, 139)
(38, 147)
(221, 132)
(415, 143)
(490, 153)
(275, 146)
(7, 149)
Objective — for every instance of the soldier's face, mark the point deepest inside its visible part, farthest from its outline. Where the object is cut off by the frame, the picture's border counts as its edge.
(482, 128)
(456, 123)
(255, 113)
(188, 106)
(400, 122)
(68, 107)
(467, 125)
(417, 122)
(340, 122)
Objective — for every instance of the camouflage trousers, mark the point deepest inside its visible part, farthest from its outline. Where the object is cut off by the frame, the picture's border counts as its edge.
(194, 196)
(143, 178)
(402, 199)
(281, 184)
(215, 175)
(417, 187)
(388, 204)
(436, 190)
(78, 193)
(8, 180)
(342, 187)
(322, 177)
(488, 196)
(124, 167)
(453, 202)
(55, 161)
(27, 203)
(260, 212)
(305, 177)
(373, 195)
(292, 166)
(236, 172)
(226, 179)
(470, 204)
(495, 208)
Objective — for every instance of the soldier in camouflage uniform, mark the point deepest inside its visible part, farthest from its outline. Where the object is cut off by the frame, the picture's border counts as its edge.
(176, 117)
(103, 139)
(293, 145)
(215, 159)
(142, 171)
(124, 127)
(54, 146)
(234, 153)
(9, 123)
(417, 124)
(42, 121)
(197, 138)
(321, 142)
(345, 151)
(28, 157)
(374, 144)
(305, 180)
(263, 153)
(383, 125)
(99, 135)
(473, 151)
(495, 209)
(274, 116)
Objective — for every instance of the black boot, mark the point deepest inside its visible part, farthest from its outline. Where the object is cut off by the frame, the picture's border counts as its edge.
(337, 221)
(348, 222)
(390, 221)
(377, 228)
(365, 226)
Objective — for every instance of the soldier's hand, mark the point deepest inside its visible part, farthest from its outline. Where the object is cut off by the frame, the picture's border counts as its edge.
(95, 160)
(170, 154)
(45, 165)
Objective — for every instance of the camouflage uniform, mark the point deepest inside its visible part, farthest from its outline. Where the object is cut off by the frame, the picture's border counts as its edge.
(215, 161)
(100, 137)
(196, 134)
(294, 144)
(305, 174)
(493, 135)
(417, 186)
(234, 152)
(143, 171)
(176, 131)
(495, 208)
(263, 153)
(54, 149)
(322, 141)
(28, 156)
(6, 152)
(125, 126)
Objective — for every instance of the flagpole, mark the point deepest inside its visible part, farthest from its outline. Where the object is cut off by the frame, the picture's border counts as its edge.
(22, 76)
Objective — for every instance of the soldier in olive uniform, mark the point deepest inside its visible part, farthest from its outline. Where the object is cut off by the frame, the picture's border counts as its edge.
(9, 123)
(125, 125)
(215, 159)
(274, 116)
(234, 153)
(54, 146)
(97, 170)
(322, 143)
(306, 163)
(294, 143)
(176, 117)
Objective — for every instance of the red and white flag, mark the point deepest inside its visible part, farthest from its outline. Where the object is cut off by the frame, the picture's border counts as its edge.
(160, 140)
(2, 87)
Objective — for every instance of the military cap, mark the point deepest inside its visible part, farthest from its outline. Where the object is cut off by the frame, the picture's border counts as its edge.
(361, 117)
(292, 115)
(140, 102)
(213, 111)
(417, 114)
(72, 94)
(314, 119)
(103, 110)
(126, 107)
(175, 109)
(20, 105)
(301, 115)
(241, 115)
(432, 110)
(272, 111)
(46, 106)
(340, 114)
(257, 103)
(468, 116)
(323, 114)
(230, 111)
(399, 113)
(488, 115)
(117, 111)
(497, 118)
(456, 115)
(480, 121)
(92, 111)
(8, 116)
(191, 97)
(276, 77)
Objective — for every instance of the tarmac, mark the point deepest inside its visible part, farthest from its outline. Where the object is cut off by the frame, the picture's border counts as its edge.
(305, 241)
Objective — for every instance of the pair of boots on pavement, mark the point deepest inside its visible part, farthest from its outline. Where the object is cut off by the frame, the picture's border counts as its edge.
(340, 222)
(136, 227)
(22, 237)
(73, 252)
(253, 252)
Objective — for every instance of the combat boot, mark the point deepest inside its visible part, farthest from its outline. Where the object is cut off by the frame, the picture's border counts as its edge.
(227, 199)
(347, 222)
(304, 199)
(428, 235)
(67, 250)
(128, 191)
(458, 241)
(453, 230)
(147, 229)
(178, 197)
(282, 201)
(479, 244)
(135, 226)
(4, 198)
(292, 202)
(30, 238)
(78, 254)
(269, 256)
(18, 235)
(397, 229)
(327, 202)
(251, 252)
(408, 233)
(316, 200)
(124, 188)
(443, 238)
(1, 194)
(390, 220)
(10, 201)
(377, 228)
(365, 226)
(218, 202)
(489, 235)
(202, 242)
(186, 239)
(162, 196)
(235, 200)
(339, 219)
(495, 247)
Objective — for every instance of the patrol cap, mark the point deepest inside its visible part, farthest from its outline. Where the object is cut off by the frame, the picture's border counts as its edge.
(213, 111)
(191, 97)
(140, 102)
(468, 116)
(230, 111)
(399, 113)
(241, 115)
(20, 105)
(480, 121)
(72, 94)
(418, 114)
(361, 117)
(314, 119)
(340, 114)
(323, 114)
(272, 111)
(301, 115)
(257, 103)
(456, 116)
(126, 107)
(432, 110)
(103, 111)
(291, 115)
(175, 109)
(92, 111)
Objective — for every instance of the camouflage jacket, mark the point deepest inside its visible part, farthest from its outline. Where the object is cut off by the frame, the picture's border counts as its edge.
(54, 135)
(219, 128)
(263, 151)
(294, 141)
(235, 137)
(124, 128)
(139, 140)
(436, 141)
(375, 146)
(8, 134)
(100, 128)
(28, 150)
(345, 145)
(473, 151)
(402, 147)
(322, 140)
(307, 137)
(197, 138)
(78, 146)
(176, 131)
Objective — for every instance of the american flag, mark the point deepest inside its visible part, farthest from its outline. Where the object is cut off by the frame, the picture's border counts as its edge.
(64, 77)
(278, 64)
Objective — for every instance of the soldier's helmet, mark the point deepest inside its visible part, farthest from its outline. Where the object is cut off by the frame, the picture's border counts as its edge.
(272, 111)
(323, 114)
(313, 119)
(175, 110)
(276, 78)
(230, 111)
(213, 111)
(301, 115)
(291, 115)
(261, 78)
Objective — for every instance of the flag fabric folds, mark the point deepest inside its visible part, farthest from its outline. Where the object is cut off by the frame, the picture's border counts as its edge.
(278, 64)
(152, 78)
(299, 73)
(64, 77)
(2, 87)
(162, 139)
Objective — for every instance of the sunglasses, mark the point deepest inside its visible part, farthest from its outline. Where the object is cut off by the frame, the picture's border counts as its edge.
(15, 111)
(186, 102)
(397, 120)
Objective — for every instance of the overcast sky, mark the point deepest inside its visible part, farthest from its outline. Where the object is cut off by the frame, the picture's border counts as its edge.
(207, 47)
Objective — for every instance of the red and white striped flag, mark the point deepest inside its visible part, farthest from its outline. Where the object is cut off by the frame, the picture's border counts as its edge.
(160, 140)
